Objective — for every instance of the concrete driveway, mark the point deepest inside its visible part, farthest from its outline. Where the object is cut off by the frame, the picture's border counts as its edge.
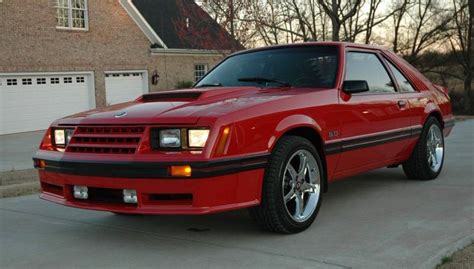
(375, 220)
(16, 150)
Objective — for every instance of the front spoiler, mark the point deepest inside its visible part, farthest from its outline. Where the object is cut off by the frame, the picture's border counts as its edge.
(205, 195)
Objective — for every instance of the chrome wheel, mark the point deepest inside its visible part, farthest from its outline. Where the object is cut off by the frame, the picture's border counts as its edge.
(301, 185)
(435, 148)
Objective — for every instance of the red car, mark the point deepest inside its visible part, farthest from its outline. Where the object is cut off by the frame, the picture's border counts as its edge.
(267, 129)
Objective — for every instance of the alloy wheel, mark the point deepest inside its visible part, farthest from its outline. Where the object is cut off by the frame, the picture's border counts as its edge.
(301, 185)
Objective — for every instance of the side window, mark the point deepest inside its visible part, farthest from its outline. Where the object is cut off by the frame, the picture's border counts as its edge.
(403, 82)
(368, 67)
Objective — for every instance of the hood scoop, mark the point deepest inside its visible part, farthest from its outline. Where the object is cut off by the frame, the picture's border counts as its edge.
(171, 96)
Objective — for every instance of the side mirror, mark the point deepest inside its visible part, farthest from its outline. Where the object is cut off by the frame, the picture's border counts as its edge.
(355, 86)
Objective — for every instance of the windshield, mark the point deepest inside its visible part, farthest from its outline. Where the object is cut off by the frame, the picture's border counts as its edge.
(311, 66)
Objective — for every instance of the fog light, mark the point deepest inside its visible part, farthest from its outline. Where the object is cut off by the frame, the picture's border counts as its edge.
(130, 196)
(81, 192)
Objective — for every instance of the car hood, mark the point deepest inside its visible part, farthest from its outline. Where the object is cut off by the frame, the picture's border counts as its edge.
(179, 106)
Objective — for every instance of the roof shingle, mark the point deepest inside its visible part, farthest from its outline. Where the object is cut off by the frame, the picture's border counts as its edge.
(182, 24)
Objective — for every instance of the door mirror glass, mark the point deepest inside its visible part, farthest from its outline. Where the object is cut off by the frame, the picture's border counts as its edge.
(355, 86)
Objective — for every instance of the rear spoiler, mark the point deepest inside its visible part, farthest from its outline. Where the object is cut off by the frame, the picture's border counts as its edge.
(442, 89)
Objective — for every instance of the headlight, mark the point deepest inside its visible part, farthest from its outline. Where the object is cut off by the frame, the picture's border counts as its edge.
(170, 138)
(62, 137)
(197, 138)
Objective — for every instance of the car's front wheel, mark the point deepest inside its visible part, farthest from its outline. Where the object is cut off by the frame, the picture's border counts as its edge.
(292, 187)
(427, 158)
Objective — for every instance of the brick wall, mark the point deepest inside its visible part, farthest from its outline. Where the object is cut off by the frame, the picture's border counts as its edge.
(30, 42)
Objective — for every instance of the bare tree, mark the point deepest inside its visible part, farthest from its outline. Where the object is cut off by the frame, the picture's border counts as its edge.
(462, 44)
(339, 13)
(400, 9)
(370, 23)
(229, 14)
(428, 25)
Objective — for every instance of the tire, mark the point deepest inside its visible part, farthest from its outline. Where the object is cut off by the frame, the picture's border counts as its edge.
(124, 214)
(421, 164)
(302, 187)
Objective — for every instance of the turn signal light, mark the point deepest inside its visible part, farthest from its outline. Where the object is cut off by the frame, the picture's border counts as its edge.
(41, 164)
(181, 171)
(223, 141)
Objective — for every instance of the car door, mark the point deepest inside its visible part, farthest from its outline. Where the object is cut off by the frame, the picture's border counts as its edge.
(373, 123)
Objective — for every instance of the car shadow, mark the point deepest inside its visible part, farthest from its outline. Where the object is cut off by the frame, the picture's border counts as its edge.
(239, 222)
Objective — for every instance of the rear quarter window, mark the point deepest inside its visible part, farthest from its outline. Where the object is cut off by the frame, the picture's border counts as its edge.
(403, 82)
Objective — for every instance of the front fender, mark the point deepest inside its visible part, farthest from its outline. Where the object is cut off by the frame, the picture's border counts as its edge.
(289, 123)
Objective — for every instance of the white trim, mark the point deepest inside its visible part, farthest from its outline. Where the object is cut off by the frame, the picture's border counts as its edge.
(92, 101)
(72, 29)
(144, 78)
(48, 73)
(187, 52)
(141, 22)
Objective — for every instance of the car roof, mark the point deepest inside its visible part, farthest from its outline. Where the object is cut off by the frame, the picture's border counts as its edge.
(314, 43)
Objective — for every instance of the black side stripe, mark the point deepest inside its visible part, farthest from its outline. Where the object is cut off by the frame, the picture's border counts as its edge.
(370, 141)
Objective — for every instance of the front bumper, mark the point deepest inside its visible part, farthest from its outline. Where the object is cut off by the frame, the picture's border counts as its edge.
(213, 187)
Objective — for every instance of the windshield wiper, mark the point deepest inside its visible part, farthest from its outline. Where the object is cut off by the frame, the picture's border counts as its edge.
(263, 80)
(210, 85)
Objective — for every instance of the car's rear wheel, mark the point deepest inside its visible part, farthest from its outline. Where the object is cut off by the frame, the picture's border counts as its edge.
(292, 187)
(124, 214)
(427, 158)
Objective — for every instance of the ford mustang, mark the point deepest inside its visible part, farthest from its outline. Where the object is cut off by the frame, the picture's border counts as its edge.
(266, 129)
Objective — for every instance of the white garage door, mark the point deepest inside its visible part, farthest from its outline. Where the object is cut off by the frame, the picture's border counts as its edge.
(125, 86)
(32, 102)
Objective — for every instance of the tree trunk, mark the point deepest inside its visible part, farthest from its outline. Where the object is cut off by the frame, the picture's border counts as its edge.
(467, 94)
(335, 29)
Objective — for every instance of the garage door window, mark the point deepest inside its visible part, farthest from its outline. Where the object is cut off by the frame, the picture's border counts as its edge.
(11, 82)
(72, 14)
(80, 79)
(40, 81)
(54, 80)
(26, 81)
(68, 80)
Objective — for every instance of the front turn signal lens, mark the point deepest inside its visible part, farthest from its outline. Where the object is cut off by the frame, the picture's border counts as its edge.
(41, 164)
(223, 141)
(181, 171)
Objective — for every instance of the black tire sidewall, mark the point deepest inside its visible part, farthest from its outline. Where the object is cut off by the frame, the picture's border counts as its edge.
(298, 143)
(424, 150)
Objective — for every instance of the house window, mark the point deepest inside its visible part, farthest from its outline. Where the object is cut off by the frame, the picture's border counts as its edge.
(80, 79)
(40, 81)
(68, 80)
(26, 81)
(199, 71)
(54, 80)
(11, 82)
(71, 14)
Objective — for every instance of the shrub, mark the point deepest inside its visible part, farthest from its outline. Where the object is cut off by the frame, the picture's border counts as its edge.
(458, 100)
(183, 84)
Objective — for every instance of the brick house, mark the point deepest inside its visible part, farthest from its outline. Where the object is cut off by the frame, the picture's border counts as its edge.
(59, 57)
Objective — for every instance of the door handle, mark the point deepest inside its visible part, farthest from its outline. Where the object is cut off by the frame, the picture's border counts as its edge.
(402, 103)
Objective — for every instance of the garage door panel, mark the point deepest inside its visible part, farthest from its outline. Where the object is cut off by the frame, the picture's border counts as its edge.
(124, 87)
(49, 97)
